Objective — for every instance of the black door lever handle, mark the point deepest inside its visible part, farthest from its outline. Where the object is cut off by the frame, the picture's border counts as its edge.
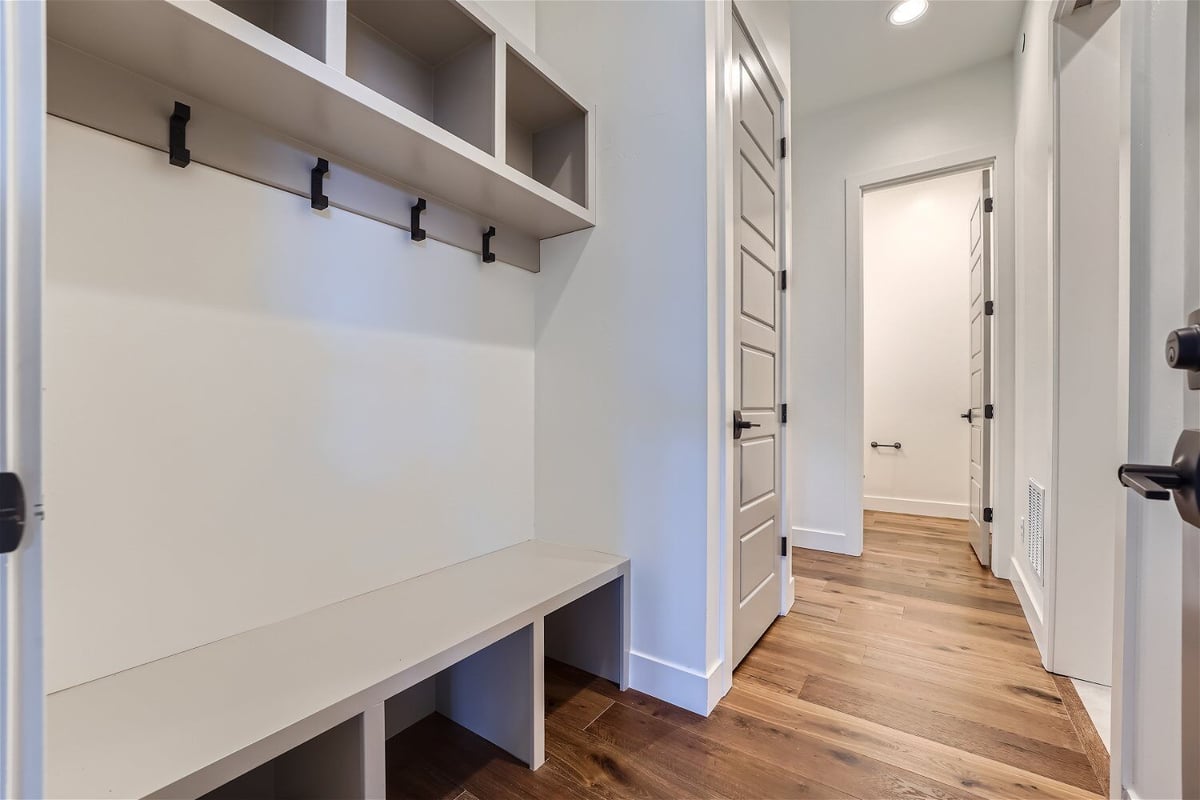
(969, 416)
(1179, 480)
(740, 425)
(1151, 481)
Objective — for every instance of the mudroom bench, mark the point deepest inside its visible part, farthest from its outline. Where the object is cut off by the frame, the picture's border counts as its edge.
(302, 708)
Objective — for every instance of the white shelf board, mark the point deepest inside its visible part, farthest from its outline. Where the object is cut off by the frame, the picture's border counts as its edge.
(183, 725)
(209, 52)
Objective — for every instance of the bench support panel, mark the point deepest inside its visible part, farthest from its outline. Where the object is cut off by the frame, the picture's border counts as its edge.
(499, 694)
(592, 633)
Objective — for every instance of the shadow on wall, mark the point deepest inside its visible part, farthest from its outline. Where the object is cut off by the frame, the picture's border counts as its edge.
(291, 262)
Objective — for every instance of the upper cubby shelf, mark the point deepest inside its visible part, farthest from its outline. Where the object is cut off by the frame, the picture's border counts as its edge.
(429, 94)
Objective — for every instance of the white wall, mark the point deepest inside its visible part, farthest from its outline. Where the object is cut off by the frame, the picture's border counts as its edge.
(1089, 58)
(519, 17)
(1034, 294)
(622, 334)
(969, 109)
(916, 345)
(253, 409)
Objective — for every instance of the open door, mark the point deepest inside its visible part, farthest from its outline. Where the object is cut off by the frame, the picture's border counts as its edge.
(757, 525)
(979, 513)
(22, 170)
(1156, 669)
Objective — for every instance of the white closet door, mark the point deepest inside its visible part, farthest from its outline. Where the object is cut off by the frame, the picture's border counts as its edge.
(756, 459)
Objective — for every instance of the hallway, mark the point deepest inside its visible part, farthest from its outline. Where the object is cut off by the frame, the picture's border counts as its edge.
(905, 673)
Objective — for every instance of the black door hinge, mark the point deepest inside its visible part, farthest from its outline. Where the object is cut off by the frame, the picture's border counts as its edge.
(783, 147)
(783, 413)
(989, 411)
(989, 308)
(783, 548)
(987, 515)
(783, 280)
(987, 205)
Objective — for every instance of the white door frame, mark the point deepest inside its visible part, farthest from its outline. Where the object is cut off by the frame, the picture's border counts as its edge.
(1058, 11)
(720, 245)
(22, 211)
(996, 155)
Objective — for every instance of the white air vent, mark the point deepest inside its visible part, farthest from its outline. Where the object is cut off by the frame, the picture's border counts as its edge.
(1035, 543)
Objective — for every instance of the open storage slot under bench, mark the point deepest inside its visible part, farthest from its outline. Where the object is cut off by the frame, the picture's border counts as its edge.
(302, 708)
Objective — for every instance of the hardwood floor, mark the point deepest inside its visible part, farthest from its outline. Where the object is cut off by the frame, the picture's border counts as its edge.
(909, 672)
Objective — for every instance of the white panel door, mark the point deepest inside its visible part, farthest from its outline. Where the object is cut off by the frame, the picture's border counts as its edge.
(756, 458)
(978, 526)
(1156, 669)
(22, 167)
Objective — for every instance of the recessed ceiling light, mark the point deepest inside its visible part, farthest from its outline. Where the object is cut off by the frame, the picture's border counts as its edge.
(908, 11)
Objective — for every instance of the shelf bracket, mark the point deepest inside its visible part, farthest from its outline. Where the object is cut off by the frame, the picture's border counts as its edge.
(180, 156)
(319, 200)
(414, 226)
(488, 255)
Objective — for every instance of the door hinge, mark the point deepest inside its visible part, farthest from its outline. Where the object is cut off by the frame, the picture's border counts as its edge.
(783, 412)
(783, 147)
(989, 411)
(989, 308)
(783, 280)
(987, 515)
(987, 205)
(783, 546)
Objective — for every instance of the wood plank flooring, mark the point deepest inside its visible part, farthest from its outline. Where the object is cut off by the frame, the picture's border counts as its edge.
(909, 672)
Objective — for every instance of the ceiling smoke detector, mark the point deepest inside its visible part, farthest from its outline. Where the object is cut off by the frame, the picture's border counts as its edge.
(907, 11)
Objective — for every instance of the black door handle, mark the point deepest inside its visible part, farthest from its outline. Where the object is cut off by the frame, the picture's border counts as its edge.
(1151, 481)
(740, 425)
(969, 416)
(1178, 480)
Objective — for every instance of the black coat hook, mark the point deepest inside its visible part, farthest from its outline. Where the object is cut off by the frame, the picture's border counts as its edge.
(488, 255)
(414, 226)
(319, 200)
(180, 156)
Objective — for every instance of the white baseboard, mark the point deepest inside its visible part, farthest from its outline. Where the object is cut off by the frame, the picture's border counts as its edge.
(924, 508)
(678, 685)
(1031, 606)
(829, 541)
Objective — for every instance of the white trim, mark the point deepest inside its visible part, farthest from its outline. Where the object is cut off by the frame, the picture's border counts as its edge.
(719, 54)
(22, 217)
(829, 541)
(923, 508)
(676, 684)
(1034, 613)
(998, 156)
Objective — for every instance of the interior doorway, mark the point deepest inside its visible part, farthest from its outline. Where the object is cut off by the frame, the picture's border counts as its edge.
(926, 400)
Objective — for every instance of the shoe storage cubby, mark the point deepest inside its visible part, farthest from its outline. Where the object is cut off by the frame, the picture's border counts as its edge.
(429, 56)
(327, 766)
(545, 130)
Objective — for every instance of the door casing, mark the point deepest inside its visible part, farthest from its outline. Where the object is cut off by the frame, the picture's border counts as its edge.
(996, 156)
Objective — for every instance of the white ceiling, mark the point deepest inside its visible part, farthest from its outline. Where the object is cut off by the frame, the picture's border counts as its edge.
(843, 50)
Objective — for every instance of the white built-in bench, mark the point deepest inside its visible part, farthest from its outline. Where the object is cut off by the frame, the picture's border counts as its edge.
(301, 708)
